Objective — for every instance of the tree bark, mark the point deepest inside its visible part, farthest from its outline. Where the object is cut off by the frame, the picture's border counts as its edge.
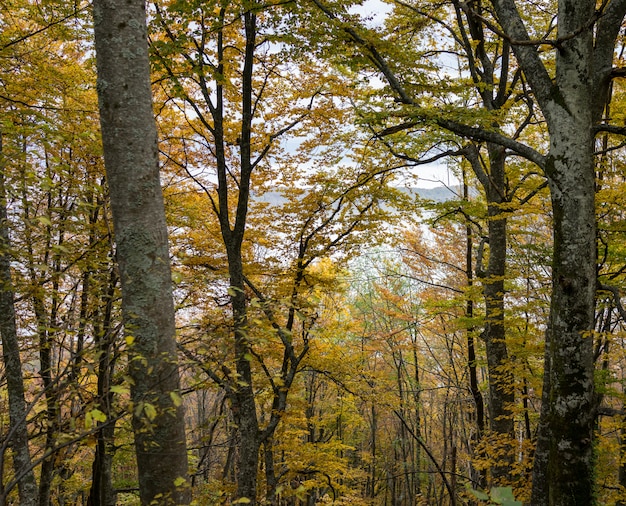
(491, 82)
(101, 492)
(242, 393)
(501, 392)
(18, 430)
(476, 475)
(132, 166)
(571, 103)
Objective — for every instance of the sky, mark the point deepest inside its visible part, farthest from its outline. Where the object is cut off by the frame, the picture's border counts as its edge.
(431, 175)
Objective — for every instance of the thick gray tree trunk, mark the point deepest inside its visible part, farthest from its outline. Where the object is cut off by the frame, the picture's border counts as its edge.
(18, 430)
(572, 103)
(131, 159)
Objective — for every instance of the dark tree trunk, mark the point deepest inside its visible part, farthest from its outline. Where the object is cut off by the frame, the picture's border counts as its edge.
(101, 492)
(491, 79)
(45, 328)
(501, 392)
(241, 395)
(271, 480)
(476, 475)
(132, 165)
(621, 473)
(242, 400)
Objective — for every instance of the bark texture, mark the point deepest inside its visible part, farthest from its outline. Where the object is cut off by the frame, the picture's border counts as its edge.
(18, 430)
(501, 393)
(132, 167)
(572, 103)
(242, 394)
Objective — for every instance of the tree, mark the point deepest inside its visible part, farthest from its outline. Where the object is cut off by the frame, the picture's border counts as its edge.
(18, 429)
(572, 102)
(487, 77)
(243, 89)
(132, 165)
(366, 378)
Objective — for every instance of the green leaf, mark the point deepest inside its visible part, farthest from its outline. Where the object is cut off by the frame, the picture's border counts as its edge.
(92, 416)
(478, 494)
(59, 247)
(504, 496)
(233, 290)
(119, 389)
(180, 481)
(44, 220)
(98, 415)
(176, 399)
(150, 411)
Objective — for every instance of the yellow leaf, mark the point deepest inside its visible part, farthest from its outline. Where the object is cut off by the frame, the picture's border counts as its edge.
(176, 399)
(119, 389)
(150, 411)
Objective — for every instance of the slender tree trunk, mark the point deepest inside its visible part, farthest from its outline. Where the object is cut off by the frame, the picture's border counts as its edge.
(417, 394)
(621, 472)
(18, 430)
(132, 166)
(45, 362)
(243, 402)
(477, 475)
(372, 474)
(101, 492)
(501, 392)
(242, 399)
(270, 473)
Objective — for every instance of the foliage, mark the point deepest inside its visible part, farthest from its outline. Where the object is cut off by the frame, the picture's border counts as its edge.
(307, 272)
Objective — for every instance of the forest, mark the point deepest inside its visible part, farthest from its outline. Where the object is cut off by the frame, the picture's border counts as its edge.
(221, 280)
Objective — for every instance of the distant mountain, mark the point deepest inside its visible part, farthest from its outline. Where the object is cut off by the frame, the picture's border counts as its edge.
(437, 194)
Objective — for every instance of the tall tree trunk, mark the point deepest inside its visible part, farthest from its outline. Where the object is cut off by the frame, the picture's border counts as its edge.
(45, 328)
(242, 399)
(242, 393)
(572, 104)
(476, 475)
(564, 465)
(271, 479)
(18, 430)
(501, 391)
(101, 492)
(621, 472)
(132, 166)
